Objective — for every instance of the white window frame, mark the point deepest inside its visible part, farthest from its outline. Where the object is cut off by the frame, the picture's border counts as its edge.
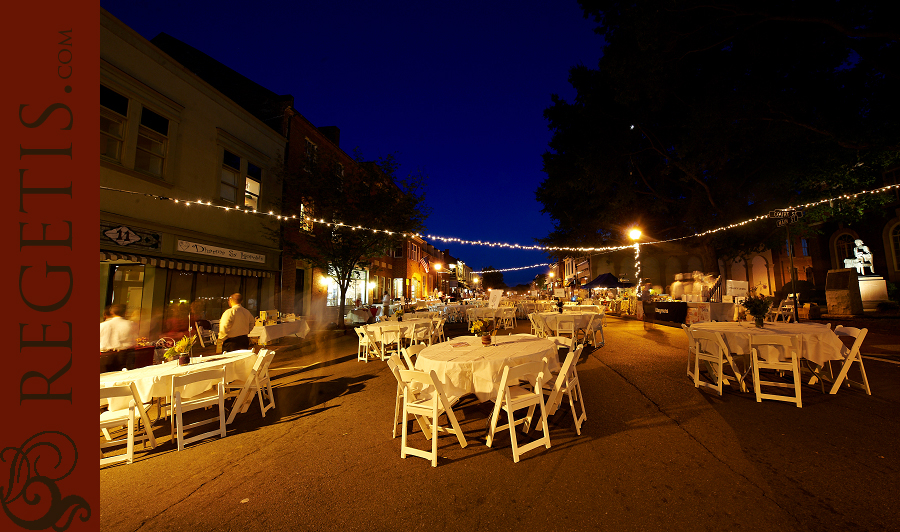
(248, 156)
(141, 96)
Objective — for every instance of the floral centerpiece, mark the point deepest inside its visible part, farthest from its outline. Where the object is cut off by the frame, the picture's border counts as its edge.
(483, 329)
(399, 313)
(757, 306)
(181, 350)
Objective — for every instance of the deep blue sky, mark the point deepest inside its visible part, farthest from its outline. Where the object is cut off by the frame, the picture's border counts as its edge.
(457, 90)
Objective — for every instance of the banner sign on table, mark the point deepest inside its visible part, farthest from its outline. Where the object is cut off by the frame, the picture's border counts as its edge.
(736, 288)
(494, 301)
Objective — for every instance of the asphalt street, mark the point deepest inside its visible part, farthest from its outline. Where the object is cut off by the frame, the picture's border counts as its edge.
(654, 454)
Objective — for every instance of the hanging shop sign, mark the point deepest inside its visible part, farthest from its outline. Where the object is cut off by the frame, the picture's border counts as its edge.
(133, 237)
(224, 253)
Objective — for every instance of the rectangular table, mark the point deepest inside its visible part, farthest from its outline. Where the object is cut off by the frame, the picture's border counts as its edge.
(267, 333)
(156, 381)
(818, 343)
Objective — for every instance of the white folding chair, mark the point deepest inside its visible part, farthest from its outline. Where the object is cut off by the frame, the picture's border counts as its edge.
(511, 397)
(565, 382)
(587, 332)
(509, 317)
(257, 381)
(710, 348)
(431, 406)
(692, 350)
(851, 356)
(409, 352)
(391, 335)
(364, 348)
(109, 419)
(438, 332)
(395, 363)
(190, 392)
(565, 325)
(422, 332)
(778, 346)
(534, 327)
(375, 348)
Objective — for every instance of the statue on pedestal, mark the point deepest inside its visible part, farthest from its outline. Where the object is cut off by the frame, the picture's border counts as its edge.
(862, 260)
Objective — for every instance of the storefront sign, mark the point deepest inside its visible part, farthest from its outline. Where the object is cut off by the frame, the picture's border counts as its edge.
(134, 237)
(224, 253)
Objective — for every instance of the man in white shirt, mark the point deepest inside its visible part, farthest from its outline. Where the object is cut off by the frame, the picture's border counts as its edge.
(235, 325)
(117, 333)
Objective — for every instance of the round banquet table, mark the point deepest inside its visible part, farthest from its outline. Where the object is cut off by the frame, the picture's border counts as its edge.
(406, 328)
(156, 381)
(818, 342)
(464, 366)
(581, 308)
(581, 319)
(484, 311)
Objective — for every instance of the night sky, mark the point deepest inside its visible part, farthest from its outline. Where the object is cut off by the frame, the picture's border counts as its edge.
(457, 90)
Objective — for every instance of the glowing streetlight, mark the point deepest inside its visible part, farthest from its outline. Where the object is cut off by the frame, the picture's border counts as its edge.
(635, 234)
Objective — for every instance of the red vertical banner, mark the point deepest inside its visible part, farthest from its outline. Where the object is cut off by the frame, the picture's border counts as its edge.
(50, 162)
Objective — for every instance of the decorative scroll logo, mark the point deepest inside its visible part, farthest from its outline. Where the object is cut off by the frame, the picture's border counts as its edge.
(31, 499)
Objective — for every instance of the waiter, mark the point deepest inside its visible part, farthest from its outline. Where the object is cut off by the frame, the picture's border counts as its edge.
(235, 325)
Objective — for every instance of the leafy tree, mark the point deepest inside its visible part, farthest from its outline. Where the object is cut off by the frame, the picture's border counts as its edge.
(346, 204)
(703, 114)
(492, 278)
(540, 281)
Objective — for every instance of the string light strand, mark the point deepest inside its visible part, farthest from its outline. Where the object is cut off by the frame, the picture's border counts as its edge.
(284, 217)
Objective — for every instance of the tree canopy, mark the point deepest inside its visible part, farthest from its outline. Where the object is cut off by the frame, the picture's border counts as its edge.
(702, 114)
(347, 203)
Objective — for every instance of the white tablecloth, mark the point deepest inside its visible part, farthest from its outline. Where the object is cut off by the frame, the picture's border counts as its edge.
(581, 319)
(464, 366)
(359, 315)
(267, 333)
(156, 381)
(818, 341)
(581, 308)
(484, 311)
(406, 328)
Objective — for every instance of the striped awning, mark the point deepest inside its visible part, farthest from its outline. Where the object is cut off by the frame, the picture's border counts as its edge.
(159, 262)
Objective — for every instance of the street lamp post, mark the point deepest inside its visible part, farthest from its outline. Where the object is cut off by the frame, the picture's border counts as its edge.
(635, 235)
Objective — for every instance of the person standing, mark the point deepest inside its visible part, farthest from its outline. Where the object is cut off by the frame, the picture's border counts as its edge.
(386, 304)
(235, 325)
(117, 333)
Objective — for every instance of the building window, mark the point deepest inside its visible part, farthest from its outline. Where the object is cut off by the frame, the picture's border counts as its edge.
(804, 246)
(251, 188)
(231, 171)
(152, 140)
(238, 173)
(113, 115)
(843, 249)
(312, 151)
